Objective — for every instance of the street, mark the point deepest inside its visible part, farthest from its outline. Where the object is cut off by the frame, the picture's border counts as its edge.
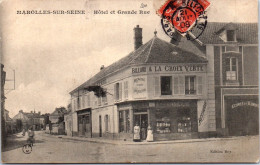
(51, 149)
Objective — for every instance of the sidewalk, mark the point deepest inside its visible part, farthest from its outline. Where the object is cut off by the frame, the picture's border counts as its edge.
(120, 142)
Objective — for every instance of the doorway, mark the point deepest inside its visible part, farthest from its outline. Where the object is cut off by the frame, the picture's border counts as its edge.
(100, 126)
(142, 121)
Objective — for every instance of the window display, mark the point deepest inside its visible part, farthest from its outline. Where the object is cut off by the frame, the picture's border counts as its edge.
(184, 125)
(163, 126)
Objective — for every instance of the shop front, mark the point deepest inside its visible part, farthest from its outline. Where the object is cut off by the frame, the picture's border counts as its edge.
(242, 115)
(169, 119)
(84, 123)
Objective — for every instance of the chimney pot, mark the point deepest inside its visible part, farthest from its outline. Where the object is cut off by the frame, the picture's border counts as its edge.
(102, 67)
(138, 37)
(176, 38)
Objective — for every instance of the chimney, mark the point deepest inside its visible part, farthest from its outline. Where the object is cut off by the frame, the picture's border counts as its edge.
(39, 113)
(176, 38)
(31, 111)
(138, 37)
(102, 67)
(21, 111)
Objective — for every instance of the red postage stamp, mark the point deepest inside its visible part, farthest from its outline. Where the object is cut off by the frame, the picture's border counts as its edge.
(183, 14)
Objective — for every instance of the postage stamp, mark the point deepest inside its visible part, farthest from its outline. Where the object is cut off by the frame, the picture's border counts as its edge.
(184, 15)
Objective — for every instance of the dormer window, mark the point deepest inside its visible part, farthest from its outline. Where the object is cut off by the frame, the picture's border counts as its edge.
(231, 35)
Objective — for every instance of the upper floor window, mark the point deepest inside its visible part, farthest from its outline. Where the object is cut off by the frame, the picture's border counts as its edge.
(118, 91)
(166, 85)
(231, 68)
(190, 85)
(231, 35)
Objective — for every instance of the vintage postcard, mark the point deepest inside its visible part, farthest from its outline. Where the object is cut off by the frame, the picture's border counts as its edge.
(129, 81)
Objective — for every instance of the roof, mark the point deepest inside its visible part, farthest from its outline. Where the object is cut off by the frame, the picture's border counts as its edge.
(154, 51)
(32, 115)
(59, 111)
(247, 33)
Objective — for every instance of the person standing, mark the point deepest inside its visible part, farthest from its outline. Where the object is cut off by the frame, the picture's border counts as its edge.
(137, 133)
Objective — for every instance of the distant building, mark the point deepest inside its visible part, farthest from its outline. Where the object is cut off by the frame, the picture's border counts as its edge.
(57, 121)
(31, 119)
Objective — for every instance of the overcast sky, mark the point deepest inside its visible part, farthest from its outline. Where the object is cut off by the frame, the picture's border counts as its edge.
(53, 54)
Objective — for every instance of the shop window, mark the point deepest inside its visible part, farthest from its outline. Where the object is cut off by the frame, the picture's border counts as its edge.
(87, 119)
(231, 35)
(126, 89)
(118, 91)
(106, 123)
(184, 121)
(166, 85)
(190, 85)
(124, 121)
(163, 124)
(231, 68)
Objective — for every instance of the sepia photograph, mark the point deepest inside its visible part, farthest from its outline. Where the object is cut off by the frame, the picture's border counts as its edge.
(129, 81)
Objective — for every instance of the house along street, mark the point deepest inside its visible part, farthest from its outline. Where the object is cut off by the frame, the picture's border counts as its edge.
(54, 149)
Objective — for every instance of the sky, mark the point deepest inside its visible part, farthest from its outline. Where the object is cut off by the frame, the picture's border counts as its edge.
(53, 54)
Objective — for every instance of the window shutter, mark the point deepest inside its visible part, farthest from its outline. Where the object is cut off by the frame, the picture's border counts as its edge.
(88, 100)
(181, 85)
(72, 105)
(120, 91)
(156, 86)
(200, 85)
(83, 101)
(126, 89)
(115, 92)
(175, 85)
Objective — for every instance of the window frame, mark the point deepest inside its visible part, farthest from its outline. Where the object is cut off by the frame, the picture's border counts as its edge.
(234, 35)
(166, 92)
(189, 91)
(230, 65)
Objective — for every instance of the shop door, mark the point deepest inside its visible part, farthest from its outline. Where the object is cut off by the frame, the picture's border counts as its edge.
(80, 125)
(100, 126)
(142, 121)
(242, 121)
(87, 126)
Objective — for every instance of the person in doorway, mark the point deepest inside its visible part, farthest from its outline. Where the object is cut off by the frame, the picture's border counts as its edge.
(143, 130)
(137, 133)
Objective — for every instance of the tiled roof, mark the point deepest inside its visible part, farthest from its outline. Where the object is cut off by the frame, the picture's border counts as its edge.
(247, 33)
(154, 51)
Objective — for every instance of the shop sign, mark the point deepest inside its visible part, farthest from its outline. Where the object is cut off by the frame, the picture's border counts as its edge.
(139, 87)
(168, 68)
(244, 103)
(173, 104)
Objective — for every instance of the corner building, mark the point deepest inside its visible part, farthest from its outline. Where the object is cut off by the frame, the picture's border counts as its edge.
(158, 84)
